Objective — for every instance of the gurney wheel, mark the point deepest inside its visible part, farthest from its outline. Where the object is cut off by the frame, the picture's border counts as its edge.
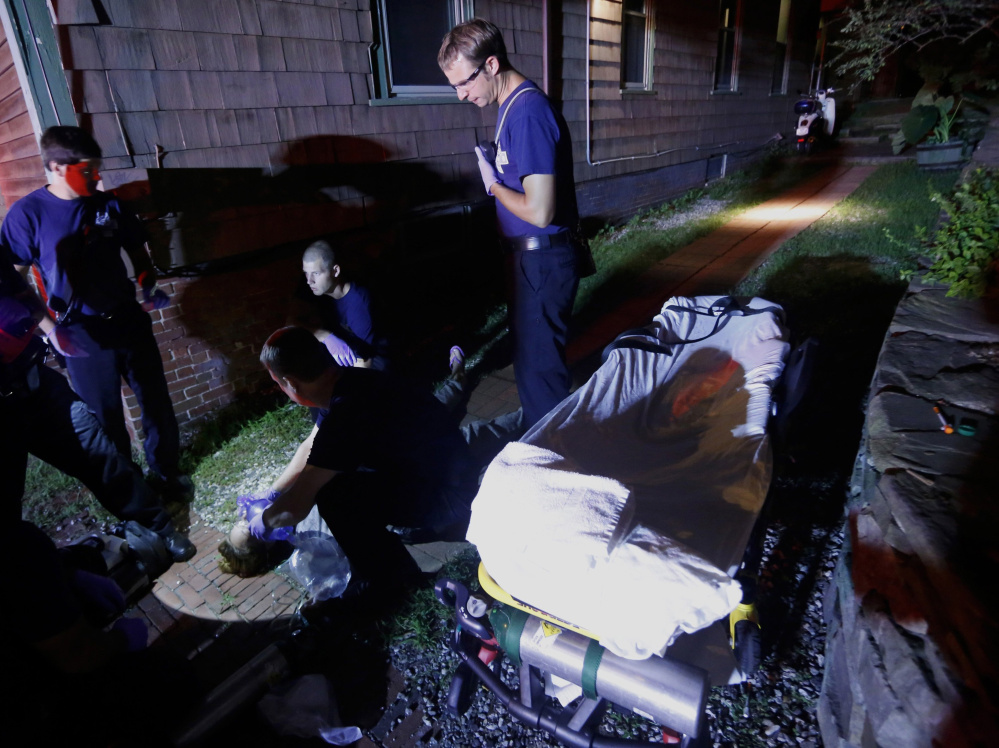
(463, 685)
(748, 646)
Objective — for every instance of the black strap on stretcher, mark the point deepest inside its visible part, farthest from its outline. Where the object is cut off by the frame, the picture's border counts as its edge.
(722, 310)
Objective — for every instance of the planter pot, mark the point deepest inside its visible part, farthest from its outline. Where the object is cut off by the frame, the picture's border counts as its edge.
(949, 155)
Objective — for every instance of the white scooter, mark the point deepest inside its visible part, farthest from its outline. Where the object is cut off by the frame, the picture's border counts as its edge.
(816, 119)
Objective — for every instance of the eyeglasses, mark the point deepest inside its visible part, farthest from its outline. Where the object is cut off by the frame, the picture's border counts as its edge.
(468, 81)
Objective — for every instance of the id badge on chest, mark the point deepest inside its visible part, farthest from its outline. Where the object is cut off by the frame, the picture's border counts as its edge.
(501, 159)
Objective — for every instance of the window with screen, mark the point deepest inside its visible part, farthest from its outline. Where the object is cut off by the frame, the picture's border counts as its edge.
(782, 52)
(726, 64)
(409, 34)
(636, 45)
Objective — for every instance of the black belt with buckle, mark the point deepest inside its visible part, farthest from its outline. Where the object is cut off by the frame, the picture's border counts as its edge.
(562, 239)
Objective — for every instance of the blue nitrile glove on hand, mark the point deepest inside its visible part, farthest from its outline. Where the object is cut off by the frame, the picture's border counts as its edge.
(154, 298)
(135, 632)
(252, 509)
(271, 534)
(339, 350)
(487, 170)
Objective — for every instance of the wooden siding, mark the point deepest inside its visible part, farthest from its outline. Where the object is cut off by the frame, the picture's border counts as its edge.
(252, 84)
(21, 169)
(682, 116)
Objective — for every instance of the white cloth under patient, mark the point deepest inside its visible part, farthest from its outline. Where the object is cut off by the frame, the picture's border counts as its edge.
(575, 519)
(672, 464)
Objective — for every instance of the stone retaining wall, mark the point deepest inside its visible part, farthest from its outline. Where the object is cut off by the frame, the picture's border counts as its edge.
(912, 650)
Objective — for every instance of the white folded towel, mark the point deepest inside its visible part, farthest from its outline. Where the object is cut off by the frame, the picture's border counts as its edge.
(534, 506)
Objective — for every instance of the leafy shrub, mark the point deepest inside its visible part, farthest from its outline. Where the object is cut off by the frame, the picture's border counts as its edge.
(965, 249)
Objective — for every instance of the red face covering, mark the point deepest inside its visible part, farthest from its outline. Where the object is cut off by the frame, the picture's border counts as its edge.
(82, 178)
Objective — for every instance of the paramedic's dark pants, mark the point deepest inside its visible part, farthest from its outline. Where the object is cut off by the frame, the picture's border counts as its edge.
(358, 505)
(542, 287)
(53, 424)
(124, 346)
(485, 439)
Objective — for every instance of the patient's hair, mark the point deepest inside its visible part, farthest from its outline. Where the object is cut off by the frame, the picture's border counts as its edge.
(322, 251)
(295, 351)
(244, 562)
(476, 41)
(65, 144)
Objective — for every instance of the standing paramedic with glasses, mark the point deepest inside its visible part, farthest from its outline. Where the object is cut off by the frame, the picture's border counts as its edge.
(529, 172)
(74, 235)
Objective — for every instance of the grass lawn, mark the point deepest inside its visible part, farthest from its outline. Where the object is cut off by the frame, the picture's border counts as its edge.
(839, 282)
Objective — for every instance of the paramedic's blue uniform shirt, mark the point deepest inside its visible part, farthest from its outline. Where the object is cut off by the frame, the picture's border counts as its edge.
(534, 140)
(350, 318)
(76, 245)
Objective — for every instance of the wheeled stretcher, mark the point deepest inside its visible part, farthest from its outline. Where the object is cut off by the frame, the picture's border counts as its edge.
(612, 535)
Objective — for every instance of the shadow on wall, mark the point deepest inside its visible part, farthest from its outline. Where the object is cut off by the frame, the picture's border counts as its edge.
(230, 241)
(318, 186)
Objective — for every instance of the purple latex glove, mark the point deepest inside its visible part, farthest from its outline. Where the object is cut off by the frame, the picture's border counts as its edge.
(487, 170)
(262, 532)
(252, 508)
(339, 350)
(101, 592)
(135, 632)
(154, 298)
(64, 341)
(252, 505)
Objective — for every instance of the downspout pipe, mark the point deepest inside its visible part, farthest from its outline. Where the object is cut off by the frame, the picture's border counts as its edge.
(589, 104)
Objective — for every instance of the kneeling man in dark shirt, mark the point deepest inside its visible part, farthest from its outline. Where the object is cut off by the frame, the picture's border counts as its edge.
(382, 453)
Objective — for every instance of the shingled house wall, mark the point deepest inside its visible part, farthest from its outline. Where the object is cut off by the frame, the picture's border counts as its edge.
(20, 165)
(241, 125)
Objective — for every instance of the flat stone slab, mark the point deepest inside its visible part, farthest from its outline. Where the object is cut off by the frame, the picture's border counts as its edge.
(941, 368)
(930, 311)
(904, 432)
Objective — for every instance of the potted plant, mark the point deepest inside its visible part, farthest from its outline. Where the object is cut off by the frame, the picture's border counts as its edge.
(931, 126)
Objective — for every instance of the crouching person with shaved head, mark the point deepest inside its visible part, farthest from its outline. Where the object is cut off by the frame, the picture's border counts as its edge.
(382, 452)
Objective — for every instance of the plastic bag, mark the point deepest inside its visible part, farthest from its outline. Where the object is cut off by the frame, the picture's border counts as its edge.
(319, 565)
(306, 708)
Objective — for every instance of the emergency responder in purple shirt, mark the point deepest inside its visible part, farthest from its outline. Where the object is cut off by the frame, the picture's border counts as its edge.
(529, 171)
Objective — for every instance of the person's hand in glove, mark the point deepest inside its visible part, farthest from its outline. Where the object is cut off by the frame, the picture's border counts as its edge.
(487, 170)
(154, 298)
(65, 343)
(261, 531)
(252, 509)
(339, 350)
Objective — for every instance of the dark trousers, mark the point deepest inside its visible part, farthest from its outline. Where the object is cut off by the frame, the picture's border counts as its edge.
(357, 506)
(124, 346)
(53, 424)
(485, 439)
(542, 286)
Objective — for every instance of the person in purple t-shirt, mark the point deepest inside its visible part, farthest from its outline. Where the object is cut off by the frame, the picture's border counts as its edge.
(337, 310)
(74, 234)
(529, 172)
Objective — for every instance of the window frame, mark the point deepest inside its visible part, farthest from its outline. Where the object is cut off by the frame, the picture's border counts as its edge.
(645, 85)
(782, 50)
(732, 32)
(380, 56)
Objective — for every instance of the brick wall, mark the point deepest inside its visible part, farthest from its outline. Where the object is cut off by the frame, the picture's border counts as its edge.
(212, 332)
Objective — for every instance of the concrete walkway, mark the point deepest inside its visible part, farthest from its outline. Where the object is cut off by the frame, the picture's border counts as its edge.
(206, 614)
